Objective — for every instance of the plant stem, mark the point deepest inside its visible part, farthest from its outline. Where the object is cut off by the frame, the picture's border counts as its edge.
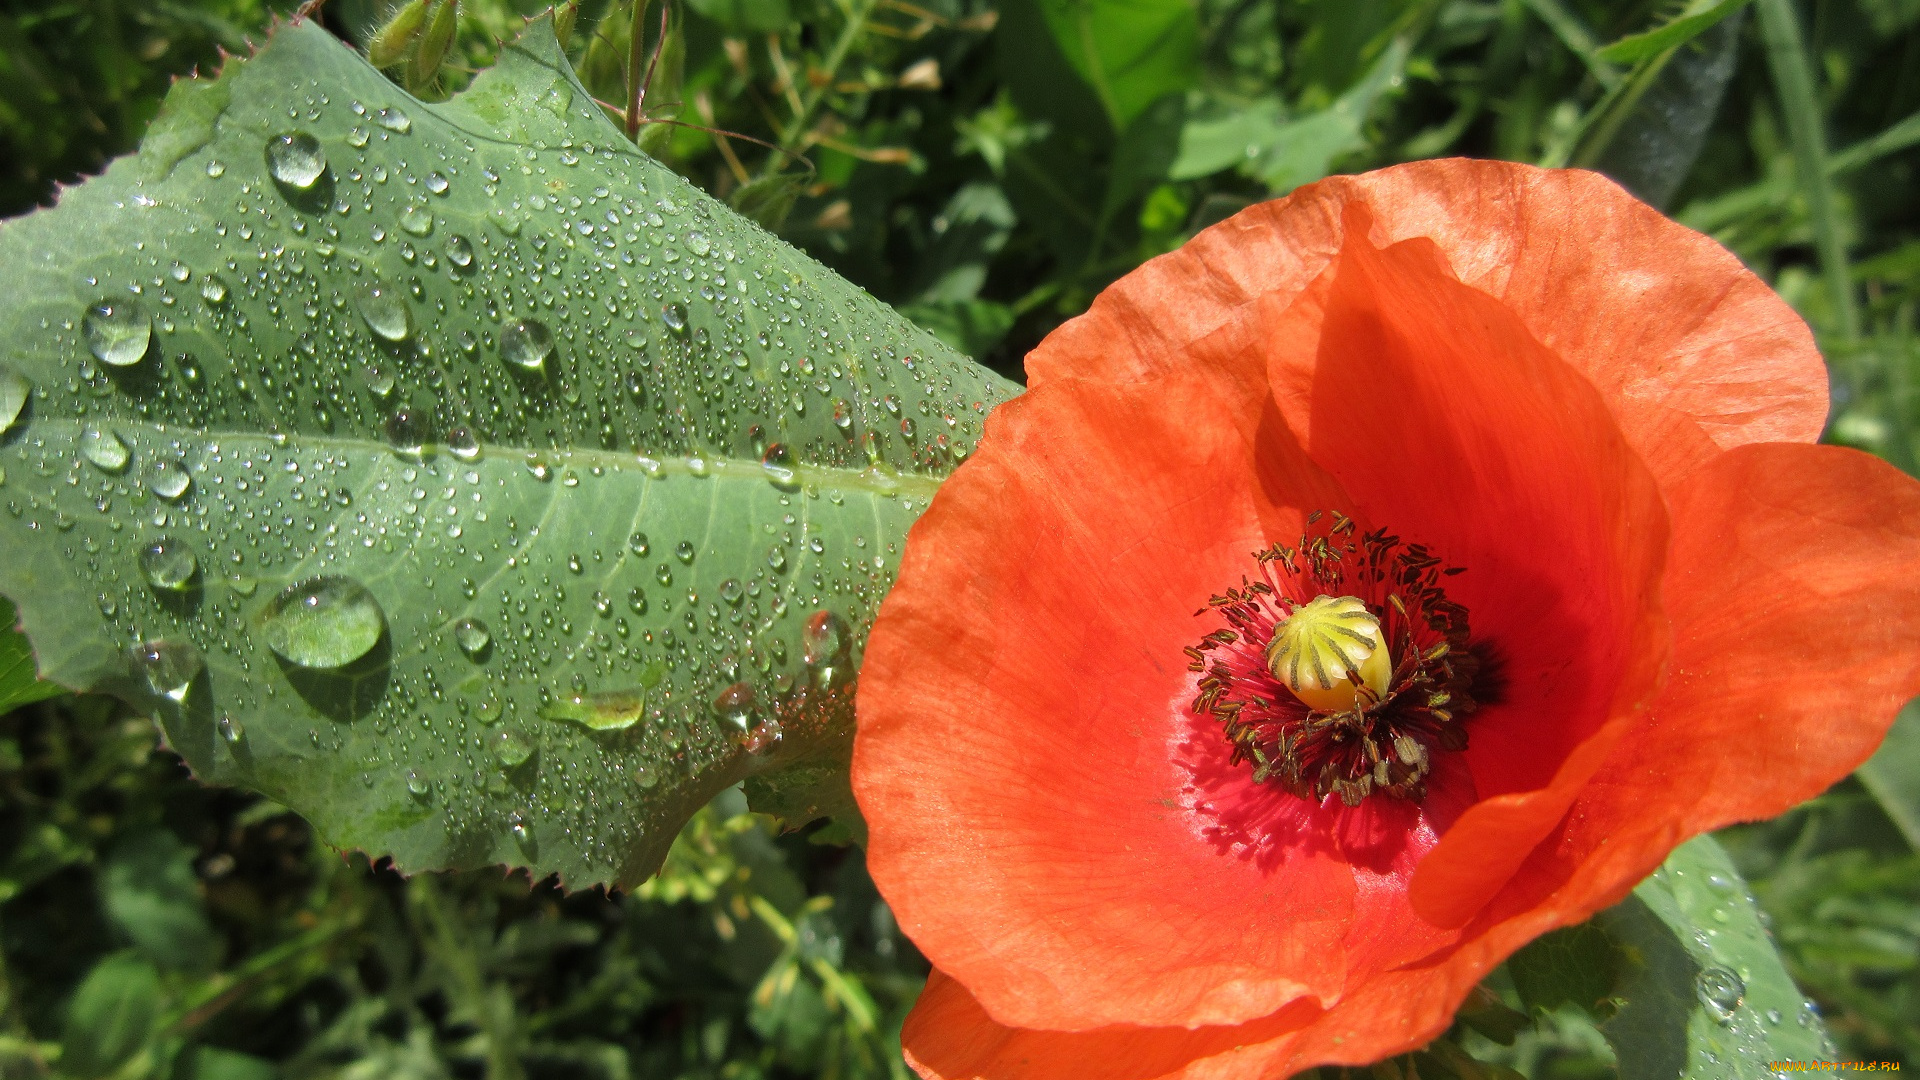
(1793, 80)
(810, 100)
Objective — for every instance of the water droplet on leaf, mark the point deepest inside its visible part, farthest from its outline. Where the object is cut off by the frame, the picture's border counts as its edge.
(117, 331)
(473, 638)
(324, 622)
(1721, 991)
(296, 160)
(393, 120)
(462, 444)
(168, 479)
(526, 343)
(169, 564)
(386, 312)
(510, 748)
(777, 462)
(169, 666)
(104, 447)
(407, 433)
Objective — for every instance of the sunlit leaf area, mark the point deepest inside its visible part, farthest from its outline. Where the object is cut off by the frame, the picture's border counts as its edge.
(453, 452)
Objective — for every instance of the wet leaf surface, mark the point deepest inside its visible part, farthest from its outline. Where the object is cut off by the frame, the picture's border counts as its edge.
(453, 474)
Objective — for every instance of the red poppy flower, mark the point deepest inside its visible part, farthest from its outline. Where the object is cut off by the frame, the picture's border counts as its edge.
(1589, 590)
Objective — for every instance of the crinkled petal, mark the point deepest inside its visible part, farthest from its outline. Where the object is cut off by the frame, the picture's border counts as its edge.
(1795, 611)
(1692, 351)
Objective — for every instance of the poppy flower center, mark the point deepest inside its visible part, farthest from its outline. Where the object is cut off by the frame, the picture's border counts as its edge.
(1343, 668)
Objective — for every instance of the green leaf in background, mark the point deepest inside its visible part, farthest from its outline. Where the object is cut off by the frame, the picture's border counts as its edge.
(153, 895)
(1702, 992)
(746, 16)
(213, 1063)
(1699, 18)
(1654, 149)
(1281, 151)
(18, 686)
(454, 474)
(1577, 966)
(1892, 774)
(1131, 52)
(112, 1016)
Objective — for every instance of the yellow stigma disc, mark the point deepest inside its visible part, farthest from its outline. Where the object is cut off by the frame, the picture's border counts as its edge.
(1329, 652)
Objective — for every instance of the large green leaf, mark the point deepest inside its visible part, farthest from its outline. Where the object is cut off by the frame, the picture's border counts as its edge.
(454, 474)
(1684, 974)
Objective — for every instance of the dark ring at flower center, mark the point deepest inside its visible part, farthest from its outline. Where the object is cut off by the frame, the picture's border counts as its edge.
(1342, 668)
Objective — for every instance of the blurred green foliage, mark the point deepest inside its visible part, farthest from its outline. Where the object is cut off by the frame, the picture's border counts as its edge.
(986, 167)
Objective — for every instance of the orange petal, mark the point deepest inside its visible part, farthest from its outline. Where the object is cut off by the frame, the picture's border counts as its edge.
(1691, 351)
(1795, 608)
(1022, 713)
(948, 1036)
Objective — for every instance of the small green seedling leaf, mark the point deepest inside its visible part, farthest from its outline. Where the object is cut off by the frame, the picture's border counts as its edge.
(113, 1016)
(1698, 20)
(18, 686)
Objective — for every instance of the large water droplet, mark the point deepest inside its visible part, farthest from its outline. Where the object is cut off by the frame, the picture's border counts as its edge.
(213, 290)
(168, 479)
(510, 748)
(104, 447)
(417, 220)
(637, 543)
(778, 465)
(1721, 991)
(14, 389)
(117, 331)
(824, 643)
(734, 706)
(459, 251)
(296, 160)
(393, 120)
(378, 376)
(526, 343)
(407, 433)
(169, 565)
(386, 311)
(231, 729)
(675, 316)
(698, 243)
(473, 638)
(324, 622)
(417, 785)
(463, 444)
(169, 667)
